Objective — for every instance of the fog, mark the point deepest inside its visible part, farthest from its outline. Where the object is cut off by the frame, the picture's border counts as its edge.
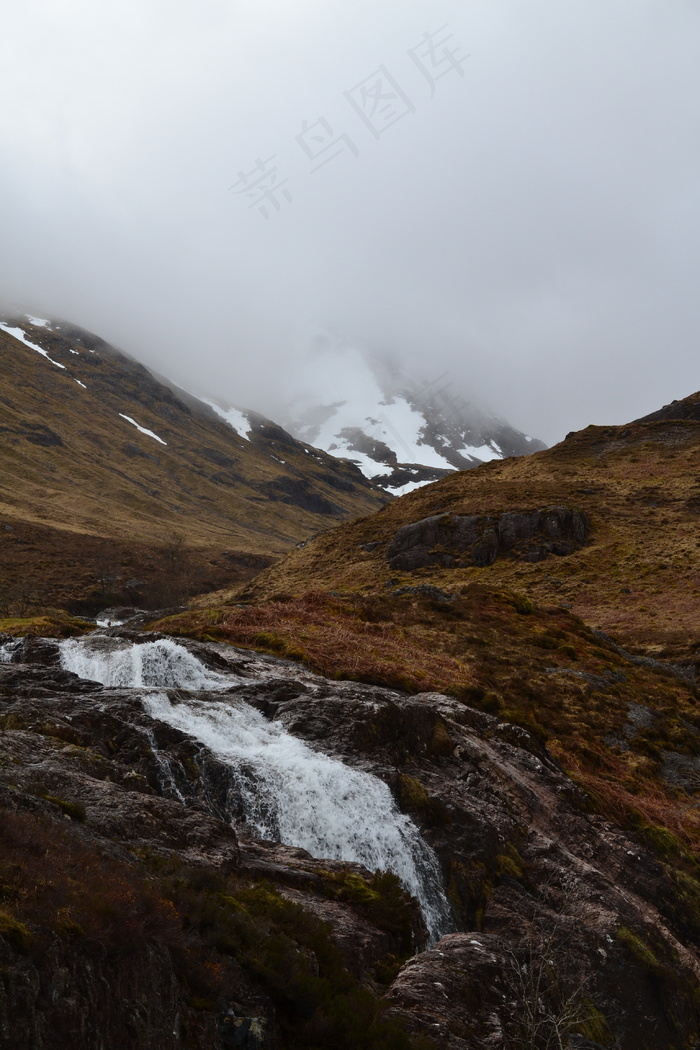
(222, 188)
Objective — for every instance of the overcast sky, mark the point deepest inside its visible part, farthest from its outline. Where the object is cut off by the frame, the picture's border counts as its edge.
(508, 189)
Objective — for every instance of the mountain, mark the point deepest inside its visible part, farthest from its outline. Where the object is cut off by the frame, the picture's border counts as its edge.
(402, 433)
(631, 570)
(398, 792)
(554, 599)
(115, 485)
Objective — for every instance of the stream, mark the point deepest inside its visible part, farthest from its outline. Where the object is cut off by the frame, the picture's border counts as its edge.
(287, 791)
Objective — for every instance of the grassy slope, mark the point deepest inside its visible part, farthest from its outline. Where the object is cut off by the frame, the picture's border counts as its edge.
(638, 576)
(74, 471)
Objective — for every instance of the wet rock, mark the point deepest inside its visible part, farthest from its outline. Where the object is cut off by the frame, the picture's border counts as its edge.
(458, 540)
(521, 854)
(243, 1033)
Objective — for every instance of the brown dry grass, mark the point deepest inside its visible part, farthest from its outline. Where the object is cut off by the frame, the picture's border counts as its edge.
(542, 668)
(638, 577)
(73, 472)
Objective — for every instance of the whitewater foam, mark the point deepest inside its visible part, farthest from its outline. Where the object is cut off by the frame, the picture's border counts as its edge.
(101, 658)
(287, 791)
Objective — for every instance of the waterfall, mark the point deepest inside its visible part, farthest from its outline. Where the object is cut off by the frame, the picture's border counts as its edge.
(287, 791)
(8, 650)
(101, 658)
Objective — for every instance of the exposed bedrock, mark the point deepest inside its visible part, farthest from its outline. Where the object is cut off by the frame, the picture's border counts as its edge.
(556, 910)
(459, 540)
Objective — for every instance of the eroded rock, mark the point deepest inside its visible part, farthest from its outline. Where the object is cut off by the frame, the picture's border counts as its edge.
(458, 540)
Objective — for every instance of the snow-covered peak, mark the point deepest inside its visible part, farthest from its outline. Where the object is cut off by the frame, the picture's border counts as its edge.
(401, 432)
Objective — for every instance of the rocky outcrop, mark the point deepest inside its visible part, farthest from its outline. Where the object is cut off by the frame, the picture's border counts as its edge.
(459, 540)
(687, 408)
(558, 915)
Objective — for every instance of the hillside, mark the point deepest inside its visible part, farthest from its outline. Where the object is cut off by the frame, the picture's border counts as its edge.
(114, 486)
(635, 572)
(500, 668)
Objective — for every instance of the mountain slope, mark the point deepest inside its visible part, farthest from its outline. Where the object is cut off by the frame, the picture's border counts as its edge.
(635, 572)
(103, 462)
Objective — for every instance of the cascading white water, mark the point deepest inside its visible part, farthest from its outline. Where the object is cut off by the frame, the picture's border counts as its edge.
(101, 658)
(7, 651)
(288, 792)
(295, 795)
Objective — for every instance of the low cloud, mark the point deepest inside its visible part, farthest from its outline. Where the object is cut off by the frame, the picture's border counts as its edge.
(522, 211)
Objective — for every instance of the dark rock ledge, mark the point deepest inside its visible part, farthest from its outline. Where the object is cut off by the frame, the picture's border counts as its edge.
(459, 540)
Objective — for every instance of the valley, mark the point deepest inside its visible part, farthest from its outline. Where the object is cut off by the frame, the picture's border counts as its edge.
(341, 770)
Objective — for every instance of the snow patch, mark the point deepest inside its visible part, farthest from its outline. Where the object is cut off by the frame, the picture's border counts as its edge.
(393, 422)
(484, 452)
(410, 486)
(38, 322)
(369, 467)
(143, 430)
(17, 333)
(80, 384)
(233, 416)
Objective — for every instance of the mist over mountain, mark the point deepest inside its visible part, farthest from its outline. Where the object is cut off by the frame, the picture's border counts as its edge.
(337, 710)
(402, 430)
(529, 220)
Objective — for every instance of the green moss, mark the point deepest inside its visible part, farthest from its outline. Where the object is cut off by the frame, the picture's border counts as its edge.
(522, 605)
(662, 841)
(54, 625)
(414, 798)
(638, 948)
(74, 810)
(568, 650)
(191, 768)
(15, 933)
(594, 1025)
(510, 863)
(441, 743)
(383, 901)
(684, 900)
(270, 640)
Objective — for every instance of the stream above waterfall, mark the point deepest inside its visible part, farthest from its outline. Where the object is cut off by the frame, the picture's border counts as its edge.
(286, 790)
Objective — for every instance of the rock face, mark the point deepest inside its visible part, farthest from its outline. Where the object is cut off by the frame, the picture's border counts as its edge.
(457, 540)
(560, 919)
